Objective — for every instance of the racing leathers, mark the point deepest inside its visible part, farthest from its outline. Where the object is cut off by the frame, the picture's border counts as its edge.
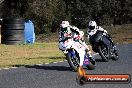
(98, 28)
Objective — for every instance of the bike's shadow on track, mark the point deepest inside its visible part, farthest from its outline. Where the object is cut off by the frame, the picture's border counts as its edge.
(56, 68)
(46, 67)
(99, 60)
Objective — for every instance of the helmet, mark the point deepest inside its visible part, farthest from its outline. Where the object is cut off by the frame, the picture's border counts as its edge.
(64, 24)
(92, 25)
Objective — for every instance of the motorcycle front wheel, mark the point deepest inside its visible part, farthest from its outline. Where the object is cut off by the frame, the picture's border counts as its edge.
(73, 62)
(104, 52)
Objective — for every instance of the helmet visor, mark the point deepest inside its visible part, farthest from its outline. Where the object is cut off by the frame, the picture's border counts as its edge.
(91, 27)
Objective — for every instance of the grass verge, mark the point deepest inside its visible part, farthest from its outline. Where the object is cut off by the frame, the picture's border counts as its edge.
(39, 53)
(121, 34)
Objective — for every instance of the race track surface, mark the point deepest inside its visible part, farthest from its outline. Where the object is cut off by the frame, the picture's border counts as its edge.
(59, 75)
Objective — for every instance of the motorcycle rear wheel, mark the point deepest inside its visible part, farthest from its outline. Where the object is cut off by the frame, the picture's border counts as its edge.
(114, 54)
(91, 66)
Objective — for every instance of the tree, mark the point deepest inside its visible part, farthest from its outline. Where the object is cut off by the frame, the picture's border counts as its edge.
(14, 8)
(48, 14)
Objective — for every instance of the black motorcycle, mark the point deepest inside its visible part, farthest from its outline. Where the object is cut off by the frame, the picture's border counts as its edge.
(103, 45)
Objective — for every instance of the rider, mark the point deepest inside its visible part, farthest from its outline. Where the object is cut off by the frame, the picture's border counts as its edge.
(68, 36)
(93, 28)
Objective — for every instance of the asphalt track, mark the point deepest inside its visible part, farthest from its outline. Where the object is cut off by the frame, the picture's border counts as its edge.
(59, 75)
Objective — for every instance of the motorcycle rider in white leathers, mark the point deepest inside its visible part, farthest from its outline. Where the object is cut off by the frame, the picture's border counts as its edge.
(93, 28)
(71, 36)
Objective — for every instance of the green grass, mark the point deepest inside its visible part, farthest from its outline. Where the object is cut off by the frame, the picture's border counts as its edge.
(121, 34)
(39, 53)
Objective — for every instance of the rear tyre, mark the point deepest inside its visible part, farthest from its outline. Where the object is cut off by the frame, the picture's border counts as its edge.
(92, 65)
(115, 56)
(81, 80)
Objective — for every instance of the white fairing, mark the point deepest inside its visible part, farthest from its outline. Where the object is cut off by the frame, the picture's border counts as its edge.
(66, 45)
(81, 50)
(76, 45)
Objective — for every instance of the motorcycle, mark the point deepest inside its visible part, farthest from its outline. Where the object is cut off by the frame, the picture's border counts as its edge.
(104, 46)
(73, 59)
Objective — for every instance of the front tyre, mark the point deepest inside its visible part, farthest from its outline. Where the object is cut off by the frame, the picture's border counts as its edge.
(73, 62)
(104, 52)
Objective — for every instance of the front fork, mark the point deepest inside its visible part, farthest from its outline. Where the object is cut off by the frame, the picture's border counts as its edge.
(72, 53)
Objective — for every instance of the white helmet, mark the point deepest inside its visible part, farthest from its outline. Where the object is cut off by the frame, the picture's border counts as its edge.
(92, 25)
(64, 24)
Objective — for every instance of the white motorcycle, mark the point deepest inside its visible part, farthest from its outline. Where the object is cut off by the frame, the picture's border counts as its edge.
(73, 58)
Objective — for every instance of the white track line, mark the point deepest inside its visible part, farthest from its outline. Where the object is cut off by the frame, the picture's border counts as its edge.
(6, 68)
(61, 61)
(65, 60)
(39, 64)
(33, 65)
(14, 67)
(55, 62)
(46, 63)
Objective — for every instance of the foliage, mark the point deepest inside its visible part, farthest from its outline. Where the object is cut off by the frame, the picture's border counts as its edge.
(47, 14)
